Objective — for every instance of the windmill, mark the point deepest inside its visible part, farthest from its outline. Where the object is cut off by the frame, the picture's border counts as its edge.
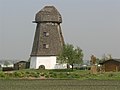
(48, 40)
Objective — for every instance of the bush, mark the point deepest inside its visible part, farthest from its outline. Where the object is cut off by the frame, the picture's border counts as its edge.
(19, 74)
(42, 74)
(54, 75)
(62, 70)
(2, 75)
(35, 74)
(110, 75)
(47, 75)
(27, 72)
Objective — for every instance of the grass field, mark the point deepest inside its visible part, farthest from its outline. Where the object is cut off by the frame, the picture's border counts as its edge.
(22, 84)
(59, 74)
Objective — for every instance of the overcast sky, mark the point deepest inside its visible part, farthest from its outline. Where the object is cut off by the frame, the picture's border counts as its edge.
(93, 25)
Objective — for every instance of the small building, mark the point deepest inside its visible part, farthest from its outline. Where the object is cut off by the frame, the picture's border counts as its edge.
(111, 65)
(21, 65)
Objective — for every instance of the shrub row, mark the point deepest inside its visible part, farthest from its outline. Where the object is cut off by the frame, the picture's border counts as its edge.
(58, 74)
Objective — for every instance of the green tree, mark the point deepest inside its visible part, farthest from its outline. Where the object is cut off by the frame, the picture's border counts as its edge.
(97, 60)
(70, 55)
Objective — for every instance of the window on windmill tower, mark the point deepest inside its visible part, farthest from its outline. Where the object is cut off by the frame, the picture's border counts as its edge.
(45, 46)
(46, 34)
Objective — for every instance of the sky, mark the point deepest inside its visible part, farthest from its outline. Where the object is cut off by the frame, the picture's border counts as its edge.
(92, 25)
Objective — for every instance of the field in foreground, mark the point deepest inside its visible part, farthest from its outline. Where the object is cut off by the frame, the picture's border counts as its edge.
(22, 84)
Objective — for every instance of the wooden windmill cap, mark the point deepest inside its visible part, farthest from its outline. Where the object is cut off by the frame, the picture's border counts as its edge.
(48, 14)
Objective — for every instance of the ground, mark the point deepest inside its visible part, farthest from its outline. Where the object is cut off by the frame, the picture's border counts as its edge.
(59, 80)
(23, 84)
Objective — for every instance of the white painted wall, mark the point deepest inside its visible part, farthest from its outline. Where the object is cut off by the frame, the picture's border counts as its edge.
(49, 62)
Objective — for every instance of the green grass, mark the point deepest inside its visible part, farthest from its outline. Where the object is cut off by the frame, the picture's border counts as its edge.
(61, 74)
(22, 84)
